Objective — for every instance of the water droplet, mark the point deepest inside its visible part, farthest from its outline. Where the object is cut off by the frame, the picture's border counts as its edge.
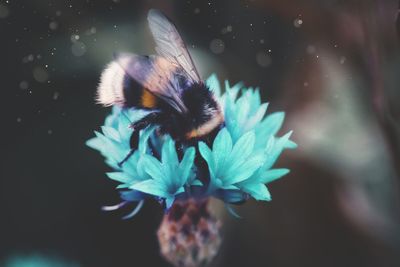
(217, 46)
(40, 74)
(263, 59)
(91, 31)
(311, 49)
(4, 11)
(23, 85)
(227, 29)
(298, 22)
(74, 38)
(30, 58)
(53, 25)
(78, 49)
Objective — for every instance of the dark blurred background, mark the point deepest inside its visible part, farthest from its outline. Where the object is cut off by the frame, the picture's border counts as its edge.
(333, 66)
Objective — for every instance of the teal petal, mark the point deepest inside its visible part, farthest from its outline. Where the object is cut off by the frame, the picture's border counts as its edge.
(278, 146)
(272, 175)
(213, 83)
(243, 147)
(153, 167)
(186, 165)
(270, 144)
(197, 183)
(135, 114)
(234, 90)
(151, 187)
(290, 144)
(257, 191)
(168, 152)
(124, 130)
(243, 171)
(95, 143)
(169, 202)
(173, 155)
(205, 152)
(230, 196)
(111, 149)
(232, 211)
(130, 167)
(123, 186)
(112, 163)
(257, 117)
(135, 211)
(144, 136)
(256, 100)
(140, 168)
(178, 190)
(111, 133)
(242, 110)
(229, 187)
(271, 124)
(119, 177)
(221, 148)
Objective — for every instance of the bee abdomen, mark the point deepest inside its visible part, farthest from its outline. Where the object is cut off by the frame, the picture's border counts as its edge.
(118, 88)
(110, 90)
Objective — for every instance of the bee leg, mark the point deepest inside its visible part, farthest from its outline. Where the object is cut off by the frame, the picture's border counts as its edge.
(154, 151)
(179, 149)
(137, 126)
(126, 158)
(146, 121)
(133, 143)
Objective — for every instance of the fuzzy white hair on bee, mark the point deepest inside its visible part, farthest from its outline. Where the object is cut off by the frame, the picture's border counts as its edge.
(111, 87)
(209, 110)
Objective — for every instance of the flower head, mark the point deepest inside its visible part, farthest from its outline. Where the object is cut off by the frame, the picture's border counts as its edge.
(239, 161)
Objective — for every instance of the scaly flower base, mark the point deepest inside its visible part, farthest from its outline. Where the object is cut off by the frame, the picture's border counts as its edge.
(189, 235)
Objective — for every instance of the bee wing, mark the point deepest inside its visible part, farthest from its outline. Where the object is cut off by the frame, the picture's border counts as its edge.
(155, 74)
(170, 44)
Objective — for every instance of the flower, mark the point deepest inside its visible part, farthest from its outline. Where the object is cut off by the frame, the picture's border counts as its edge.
(113, 144)
(228, 163)
(168, 176)
(244, 151)
(240, 160)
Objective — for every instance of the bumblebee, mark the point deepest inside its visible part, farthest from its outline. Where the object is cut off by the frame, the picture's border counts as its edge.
(166, 84)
